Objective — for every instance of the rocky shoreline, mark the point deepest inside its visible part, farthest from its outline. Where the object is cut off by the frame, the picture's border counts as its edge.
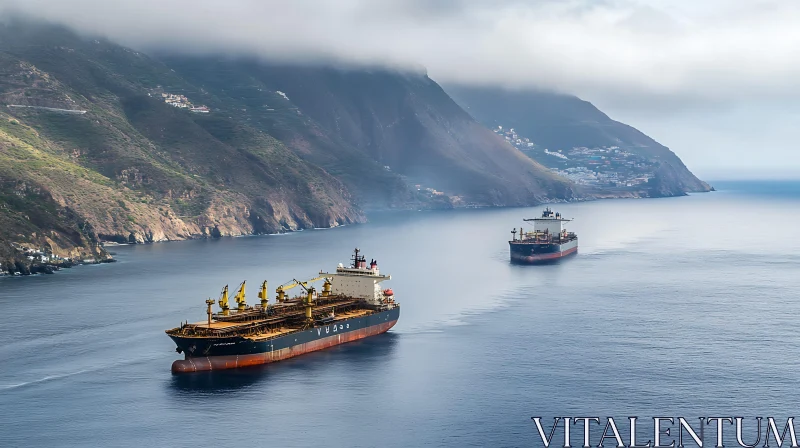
(20, 268)
(32, 261)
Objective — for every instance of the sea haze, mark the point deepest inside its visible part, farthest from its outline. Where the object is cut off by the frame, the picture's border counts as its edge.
(675, 307)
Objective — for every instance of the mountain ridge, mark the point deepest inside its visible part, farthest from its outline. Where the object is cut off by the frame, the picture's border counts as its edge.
(561, 122)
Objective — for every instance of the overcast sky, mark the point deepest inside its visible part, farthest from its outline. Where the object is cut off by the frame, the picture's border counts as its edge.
(715, 80)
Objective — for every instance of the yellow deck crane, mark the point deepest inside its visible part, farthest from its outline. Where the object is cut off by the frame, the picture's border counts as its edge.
(262, 294)
(223, 301)
(326, 288)
(240, 297)
(308, 301)
(281, 290)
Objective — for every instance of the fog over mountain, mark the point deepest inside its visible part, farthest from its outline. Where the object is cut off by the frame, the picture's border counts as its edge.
(635, 47)
(663, 66)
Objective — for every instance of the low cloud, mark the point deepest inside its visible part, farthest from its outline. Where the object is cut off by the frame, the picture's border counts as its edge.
(617, 50)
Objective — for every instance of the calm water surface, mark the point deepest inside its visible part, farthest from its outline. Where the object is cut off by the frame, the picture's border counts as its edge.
(682, 306)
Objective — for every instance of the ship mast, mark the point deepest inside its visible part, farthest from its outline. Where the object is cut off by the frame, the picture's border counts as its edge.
(210, 302)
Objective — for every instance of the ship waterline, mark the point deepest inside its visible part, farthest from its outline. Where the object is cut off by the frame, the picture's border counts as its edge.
(523, 254)
(244, 352)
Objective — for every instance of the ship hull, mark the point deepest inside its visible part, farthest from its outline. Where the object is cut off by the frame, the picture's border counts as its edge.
(236, 351)
(534, 253)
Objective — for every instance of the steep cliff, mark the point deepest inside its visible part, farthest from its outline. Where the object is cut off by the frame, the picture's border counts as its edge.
(84, 142)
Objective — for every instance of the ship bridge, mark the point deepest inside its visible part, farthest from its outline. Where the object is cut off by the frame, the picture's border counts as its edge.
(550, 222)
(359, 280)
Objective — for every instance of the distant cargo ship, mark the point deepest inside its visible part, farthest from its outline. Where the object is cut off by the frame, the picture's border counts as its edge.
(548, 241)
(351, 306)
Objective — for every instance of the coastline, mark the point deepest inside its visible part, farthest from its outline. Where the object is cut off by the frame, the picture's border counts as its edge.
(25, 268)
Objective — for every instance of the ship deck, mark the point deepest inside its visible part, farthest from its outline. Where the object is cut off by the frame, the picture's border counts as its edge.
(215, 324)
(544, 241)
(283, 318)
(275, 332)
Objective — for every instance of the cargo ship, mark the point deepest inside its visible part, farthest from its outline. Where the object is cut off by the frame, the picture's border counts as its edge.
(548, 241)
(351, 306)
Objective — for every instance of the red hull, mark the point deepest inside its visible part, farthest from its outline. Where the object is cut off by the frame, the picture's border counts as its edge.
(231, 362)
(546, 257)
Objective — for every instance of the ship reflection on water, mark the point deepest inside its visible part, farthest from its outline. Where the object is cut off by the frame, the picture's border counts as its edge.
(356, 356)
(554, 261)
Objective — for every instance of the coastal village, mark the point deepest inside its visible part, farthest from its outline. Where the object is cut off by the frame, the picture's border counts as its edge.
(39, 261)
(606, 166)
(181, 102)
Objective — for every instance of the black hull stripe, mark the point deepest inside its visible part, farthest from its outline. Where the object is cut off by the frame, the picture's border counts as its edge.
(237, 345)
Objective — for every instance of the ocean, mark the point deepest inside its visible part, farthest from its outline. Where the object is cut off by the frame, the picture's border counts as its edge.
(673, 307)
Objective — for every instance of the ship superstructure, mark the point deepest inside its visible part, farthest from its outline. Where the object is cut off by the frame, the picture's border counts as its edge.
(351, 306)
(548, 241)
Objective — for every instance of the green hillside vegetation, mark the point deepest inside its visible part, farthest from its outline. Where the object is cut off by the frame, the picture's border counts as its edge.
(131, 166)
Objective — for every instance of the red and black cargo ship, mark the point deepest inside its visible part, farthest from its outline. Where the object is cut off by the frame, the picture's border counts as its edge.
(549, 240)
(351, 306)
